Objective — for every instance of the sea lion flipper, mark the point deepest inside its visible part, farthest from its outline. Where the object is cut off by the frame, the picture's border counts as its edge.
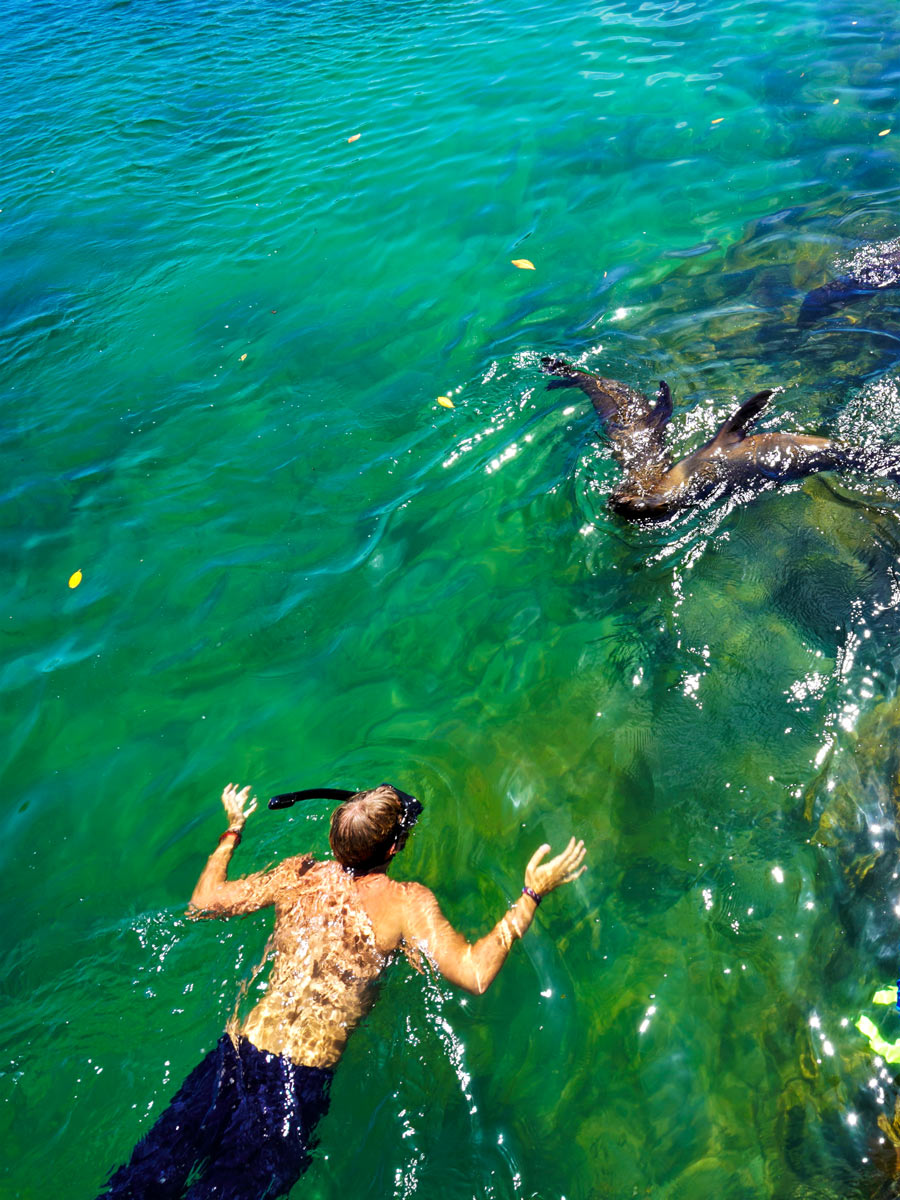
(557, 366)
(566, 374)
(822, 301)
(735, 428)
(874, 267)
(662, 409)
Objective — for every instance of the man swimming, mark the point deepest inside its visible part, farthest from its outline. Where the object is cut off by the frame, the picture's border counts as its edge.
(240, 1127)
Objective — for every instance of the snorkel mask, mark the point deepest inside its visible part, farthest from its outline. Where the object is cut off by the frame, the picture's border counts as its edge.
(411, 808)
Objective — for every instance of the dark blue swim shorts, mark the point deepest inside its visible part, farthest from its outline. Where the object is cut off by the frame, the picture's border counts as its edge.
(240, 1128)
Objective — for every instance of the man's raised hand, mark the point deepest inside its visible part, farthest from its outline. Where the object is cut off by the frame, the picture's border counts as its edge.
(234, 799)
(544, 877)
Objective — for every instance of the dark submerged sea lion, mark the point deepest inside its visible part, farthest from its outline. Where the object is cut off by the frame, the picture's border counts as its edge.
(873, 269)
(654, 487)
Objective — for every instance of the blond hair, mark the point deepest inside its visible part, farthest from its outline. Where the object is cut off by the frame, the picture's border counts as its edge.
(364, 828)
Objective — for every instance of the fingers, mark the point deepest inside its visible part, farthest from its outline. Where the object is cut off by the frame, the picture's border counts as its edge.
(574, 853)
(564, 868)
(570, 857)
(234, 799)
(573, 875)
(574, 861)
(535, 860)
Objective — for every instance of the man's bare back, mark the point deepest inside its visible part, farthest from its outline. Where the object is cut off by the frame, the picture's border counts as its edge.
(337, 929)
(327, 959)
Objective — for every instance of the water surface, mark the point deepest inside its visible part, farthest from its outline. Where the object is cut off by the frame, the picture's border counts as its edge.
(224, 329)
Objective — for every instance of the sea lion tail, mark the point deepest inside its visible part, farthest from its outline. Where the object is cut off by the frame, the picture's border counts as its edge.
(735, 428)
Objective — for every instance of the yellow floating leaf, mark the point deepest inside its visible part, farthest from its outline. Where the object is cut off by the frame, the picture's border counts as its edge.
(717, 121)
(524, 264)
(835, 102)
(355, 137)
(75, 579)
(243, 356)
(445, 402)
(884, 132)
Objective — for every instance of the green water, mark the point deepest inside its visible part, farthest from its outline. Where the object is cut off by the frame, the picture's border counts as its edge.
(298, 568)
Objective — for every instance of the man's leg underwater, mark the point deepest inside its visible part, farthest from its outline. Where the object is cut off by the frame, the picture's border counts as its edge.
(264, 1149)
(185, 1135)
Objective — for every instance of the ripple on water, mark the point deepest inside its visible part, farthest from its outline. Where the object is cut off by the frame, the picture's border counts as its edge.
(296, 562)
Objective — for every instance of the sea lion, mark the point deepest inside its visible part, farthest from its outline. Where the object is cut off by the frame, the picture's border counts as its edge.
(654, 487)
(873, 268)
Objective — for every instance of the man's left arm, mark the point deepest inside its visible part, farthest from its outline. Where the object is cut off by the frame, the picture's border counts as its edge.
(217, 896)
(474, 966)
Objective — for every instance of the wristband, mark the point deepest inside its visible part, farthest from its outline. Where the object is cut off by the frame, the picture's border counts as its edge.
(535, 896)
(235, 833)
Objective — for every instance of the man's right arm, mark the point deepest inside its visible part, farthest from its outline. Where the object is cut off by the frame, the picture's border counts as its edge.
(215, 895)
(474, 966)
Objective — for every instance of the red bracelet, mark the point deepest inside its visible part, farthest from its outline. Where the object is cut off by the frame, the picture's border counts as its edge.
(235, 833)
(535, 896)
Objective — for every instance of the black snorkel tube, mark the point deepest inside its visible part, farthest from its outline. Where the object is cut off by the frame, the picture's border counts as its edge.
(411, 807)
(286, 799)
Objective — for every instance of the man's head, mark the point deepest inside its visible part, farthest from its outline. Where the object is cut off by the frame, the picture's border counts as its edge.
(370, 827)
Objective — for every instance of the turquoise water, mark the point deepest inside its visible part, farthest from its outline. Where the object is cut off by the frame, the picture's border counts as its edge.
(224, 330)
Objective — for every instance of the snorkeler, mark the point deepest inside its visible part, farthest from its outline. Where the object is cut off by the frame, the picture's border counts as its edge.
(241, 1125)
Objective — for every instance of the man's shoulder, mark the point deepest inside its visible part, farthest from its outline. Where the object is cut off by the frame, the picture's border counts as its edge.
(411, 891)
(295, 867)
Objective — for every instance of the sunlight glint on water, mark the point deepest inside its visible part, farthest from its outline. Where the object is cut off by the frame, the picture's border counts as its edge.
(225, 327)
